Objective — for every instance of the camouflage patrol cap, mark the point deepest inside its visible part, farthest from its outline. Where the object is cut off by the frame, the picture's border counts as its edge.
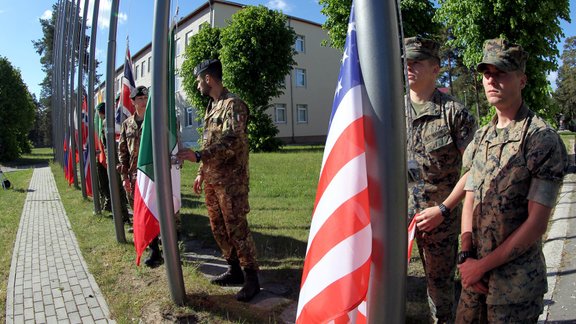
(419, 49)
(505, 56)
(204, 65)
(139, 91)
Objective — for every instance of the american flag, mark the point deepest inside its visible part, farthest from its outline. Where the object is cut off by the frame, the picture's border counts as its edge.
(125, 107)
(337, 266)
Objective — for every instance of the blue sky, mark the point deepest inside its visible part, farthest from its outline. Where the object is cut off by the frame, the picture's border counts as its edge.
(19, 26)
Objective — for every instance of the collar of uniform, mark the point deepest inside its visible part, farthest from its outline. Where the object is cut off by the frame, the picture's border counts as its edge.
(514, 131)
(433, 106)
(224, 94)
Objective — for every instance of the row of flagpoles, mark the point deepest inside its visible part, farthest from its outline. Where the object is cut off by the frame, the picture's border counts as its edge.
(355, 264)
(74, 125)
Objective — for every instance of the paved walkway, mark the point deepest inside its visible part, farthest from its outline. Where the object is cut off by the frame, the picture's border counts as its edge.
(49, 281)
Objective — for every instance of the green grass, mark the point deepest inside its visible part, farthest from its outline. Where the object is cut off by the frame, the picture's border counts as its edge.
(282, 193)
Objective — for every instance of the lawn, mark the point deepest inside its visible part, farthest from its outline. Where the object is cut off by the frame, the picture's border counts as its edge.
(282, 192)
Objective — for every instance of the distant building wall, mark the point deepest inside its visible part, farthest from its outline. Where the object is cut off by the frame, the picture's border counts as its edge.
(301, 114)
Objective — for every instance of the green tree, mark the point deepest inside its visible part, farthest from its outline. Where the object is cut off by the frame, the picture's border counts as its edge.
(257, 54)
(201, 46)
(17, 111)
(565, 94)
(416, 19)
(533, 24)
(45, 48)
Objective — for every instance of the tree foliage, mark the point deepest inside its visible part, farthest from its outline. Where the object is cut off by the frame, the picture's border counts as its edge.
(17, 112)
(45, 48)
(533, 24)
(256, 53)
(565, 94)
(417, 18)
(201, 46)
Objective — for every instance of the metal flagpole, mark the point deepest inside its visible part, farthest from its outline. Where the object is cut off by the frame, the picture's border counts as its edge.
(110, 134)
(90, 98)
(55, 110)
(379, 55)
(79, 95)
(74, 108)
(160, 149)
(65, 71)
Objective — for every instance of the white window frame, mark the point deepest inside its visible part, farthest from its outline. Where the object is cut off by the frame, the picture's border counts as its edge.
(189, 117)
(300, 78)
(142, 68)
(301, 108)
(136, 74)
(149, 63)
(277, 108)
(300, 44)
(178, 46)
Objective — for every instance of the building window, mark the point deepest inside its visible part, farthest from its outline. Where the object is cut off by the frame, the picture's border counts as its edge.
(178, 47)
(142, 69)
(203, 25)
(136, 75)
(299, 45)
(188, 36)
(302, 114)
(300, 77)
(149, 63)
(177, 83)
(280, 113)
(189, 117)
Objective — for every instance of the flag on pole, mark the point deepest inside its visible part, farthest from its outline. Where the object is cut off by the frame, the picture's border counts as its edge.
(146, 215)
(411, 236)
(86, 147)
(125, 106)
(337, 265)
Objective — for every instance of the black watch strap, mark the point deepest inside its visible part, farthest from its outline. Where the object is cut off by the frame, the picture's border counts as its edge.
(462, 256)
(444, 210)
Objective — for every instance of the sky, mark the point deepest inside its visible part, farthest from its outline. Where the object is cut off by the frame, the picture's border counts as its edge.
(20, 25)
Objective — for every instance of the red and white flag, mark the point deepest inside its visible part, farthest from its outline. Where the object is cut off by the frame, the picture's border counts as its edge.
(337, 266)
(125, 106)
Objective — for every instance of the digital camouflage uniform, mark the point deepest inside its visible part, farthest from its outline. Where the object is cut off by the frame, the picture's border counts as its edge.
(128, 149)
(440, 132)
(524, 161)
(224, 168)
(510, 166)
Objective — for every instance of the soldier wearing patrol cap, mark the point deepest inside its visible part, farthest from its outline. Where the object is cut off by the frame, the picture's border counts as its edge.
(518, 163)
(128, 148)
(224, 173)
(441, 128)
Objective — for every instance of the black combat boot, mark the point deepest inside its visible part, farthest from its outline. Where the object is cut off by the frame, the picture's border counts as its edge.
(251, 287)
(155, 257)
(233, 276)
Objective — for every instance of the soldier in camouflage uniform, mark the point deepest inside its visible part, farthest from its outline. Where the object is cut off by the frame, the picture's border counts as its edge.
(441, 128)
(518, 163)
(128, 149)
(224, 172)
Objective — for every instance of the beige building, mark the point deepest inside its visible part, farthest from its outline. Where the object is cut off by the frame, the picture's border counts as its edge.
(301, 114)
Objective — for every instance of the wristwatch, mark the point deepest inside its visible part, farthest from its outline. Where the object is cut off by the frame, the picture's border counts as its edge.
(463, 255)
(444, 210)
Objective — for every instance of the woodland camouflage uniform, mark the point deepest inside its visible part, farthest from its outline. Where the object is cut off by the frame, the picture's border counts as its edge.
(224, 167)
(441, 129)
(510, 166)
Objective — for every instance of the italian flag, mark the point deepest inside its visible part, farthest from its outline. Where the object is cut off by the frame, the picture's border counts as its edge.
(146, 214)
